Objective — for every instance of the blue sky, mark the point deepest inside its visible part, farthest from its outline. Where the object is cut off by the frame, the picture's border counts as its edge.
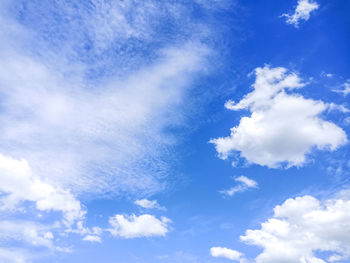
(174, 131)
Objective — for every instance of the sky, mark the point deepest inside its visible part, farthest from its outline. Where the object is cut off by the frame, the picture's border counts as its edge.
(192, 131)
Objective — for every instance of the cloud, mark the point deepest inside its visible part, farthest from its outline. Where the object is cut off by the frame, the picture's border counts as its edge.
(26, 232)
(19, 185)
(244, 184)
(283, 127)
(346, 90)
(149, 204)
(92, 238)
(9, 255)
(138, 226)
(227, 253)
(302, 12)
(301, 228)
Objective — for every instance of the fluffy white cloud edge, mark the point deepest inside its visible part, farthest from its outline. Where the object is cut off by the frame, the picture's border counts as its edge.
(302, 226)
(283, 127)
(138, 226)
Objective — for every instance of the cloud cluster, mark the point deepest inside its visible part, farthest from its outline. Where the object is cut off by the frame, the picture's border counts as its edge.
(138, 226)
(87, 92)
(302, 12)
(283, 127)
(244, 183)
(301, 228)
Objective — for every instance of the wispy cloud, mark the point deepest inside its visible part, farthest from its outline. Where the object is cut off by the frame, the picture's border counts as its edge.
(244, 183)
(302, 12)
(87, 92)
(345, 89)
(149, 204)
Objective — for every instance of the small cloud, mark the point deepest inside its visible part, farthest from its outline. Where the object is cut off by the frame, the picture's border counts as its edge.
(302, 12)
(244, 183)
(227, 253)
(91, 238)
(149, 204)
(346, 89)
(138, 226)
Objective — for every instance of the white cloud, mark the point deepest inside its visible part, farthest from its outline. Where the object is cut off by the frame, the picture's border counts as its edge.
(9, 255)
(302, 227)
(227, 253)
(346, 90)
(247, 181)
(26, 232)
(18, 185)
(138, 226)
(244, 184)
(92, 238)
(302, 12)
(149, 204)
(283, 128)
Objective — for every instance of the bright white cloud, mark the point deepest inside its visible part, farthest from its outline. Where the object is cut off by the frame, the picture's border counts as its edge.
(302, 12)
(227, 253)
(149, 204)
(138, 226)
(244, 184)
(18, 185)
(283, 127)
(300, 228)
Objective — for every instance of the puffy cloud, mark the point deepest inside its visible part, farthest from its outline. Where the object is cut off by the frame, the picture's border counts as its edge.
(138, 226)
(302, 227)
(149, 204)
(227, 253)
(302, 12)
(244, 184)
(283, 127)
(19, 185)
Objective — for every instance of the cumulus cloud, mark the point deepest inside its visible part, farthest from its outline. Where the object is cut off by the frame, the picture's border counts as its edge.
(138, 226)
(302, 12)
(19, 184)
(283, 127)
(244, 183)
(301, 228)
(149, 204)
(227, 253)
